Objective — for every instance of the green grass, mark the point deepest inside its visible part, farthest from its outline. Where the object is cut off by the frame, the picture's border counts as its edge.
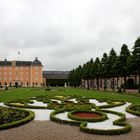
(26, 93)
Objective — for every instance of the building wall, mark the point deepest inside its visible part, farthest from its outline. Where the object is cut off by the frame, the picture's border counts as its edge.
(36, 75)
(24, 75)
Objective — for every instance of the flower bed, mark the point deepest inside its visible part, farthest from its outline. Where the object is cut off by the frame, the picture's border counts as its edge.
(87, 115)
(10, 117)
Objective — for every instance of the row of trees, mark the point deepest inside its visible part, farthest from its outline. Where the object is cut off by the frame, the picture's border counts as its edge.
(109, 66)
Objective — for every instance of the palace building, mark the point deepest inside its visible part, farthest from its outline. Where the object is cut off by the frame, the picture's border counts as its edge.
(21, 73)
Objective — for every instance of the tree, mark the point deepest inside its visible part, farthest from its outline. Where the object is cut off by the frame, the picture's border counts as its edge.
(123, 63)
(97, 70)
(86, 72)
(112, 65)
(78, 75)
(71, 77)
(92, 76)
(136, 58)
(104, 69)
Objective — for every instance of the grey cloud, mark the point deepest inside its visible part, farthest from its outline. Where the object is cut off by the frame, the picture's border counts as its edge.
(66, 33)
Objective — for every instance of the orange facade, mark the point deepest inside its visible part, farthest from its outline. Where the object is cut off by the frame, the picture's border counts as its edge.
(23, 73)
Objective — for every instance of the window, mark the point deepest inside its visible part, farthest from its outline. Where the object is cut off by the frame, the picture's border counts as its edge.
(5, 73)
(5, 78)
(10, 78)
(27, 68)
(21, 68)
(5, 68)
(21, 73)
(36, 68)
(10, 73)
(36, 73)
(36, 78)
(27, 73)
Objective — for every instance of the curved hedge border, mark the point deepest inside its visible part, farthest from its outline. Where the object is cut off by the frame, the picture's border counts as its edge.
(50, 106)
(120, 122)
(102, 118)
(25, 106)
(58, 120)
(19, 122)
(112, 105)
(130, 109)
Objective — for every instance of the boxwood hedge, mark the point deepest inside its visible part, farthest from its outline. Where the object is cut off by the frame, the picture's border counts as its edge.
(19, 122)
(120, 122)
(133, 110)
(102, 117)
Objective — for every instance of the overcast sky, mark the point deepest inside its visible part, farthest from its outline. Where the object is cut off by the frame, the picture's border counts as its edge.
(66, 33)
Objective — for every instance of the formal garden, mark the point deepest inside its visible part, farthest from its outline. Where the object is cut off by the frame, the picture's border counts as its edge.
(94, 112)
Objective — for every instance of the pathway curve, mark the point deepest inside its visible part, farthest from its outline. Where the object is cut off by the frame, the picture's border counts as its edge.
(48, 130)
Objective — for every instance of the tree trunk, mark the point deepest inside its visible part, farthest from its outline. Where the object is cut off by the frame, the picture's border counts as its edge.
(97, 84)
(117, 82)
(105, 84)
(124, 86)
(113, 84)
(135, 79)
(139, 81)
(87, 84)
(92, 84)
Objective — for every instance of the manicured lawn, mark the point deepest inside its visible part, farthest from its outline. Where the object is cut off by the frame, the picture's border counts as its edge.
(25, 93)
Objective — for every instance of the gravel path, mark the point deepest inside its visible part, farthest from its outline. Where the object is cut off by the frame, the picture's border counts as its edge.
(48, 130)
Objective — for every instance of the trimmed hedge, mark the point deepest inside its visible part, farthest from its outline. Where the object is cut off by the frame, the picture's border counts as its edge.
(19, 122)
(99, 119)
(132, 109)
(112, 105)
(120, 122)
(25, 106)
(58, 120)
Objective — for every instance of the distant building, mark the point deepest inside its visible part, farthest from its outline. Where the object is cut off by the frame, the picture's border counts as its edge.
(55, 78)
(23, 73)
